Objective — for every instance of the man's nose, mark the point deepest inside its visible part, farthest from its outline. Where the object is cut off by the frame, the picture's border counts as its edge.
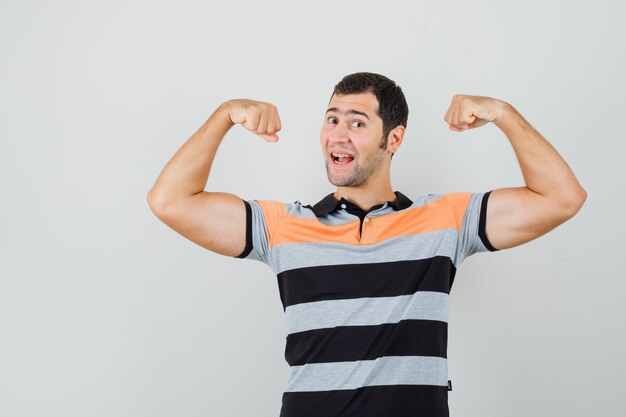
(339, 134)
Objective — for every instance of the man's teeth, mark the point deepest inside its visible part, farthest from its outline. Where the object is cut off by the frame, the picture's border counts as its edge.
(345, 155)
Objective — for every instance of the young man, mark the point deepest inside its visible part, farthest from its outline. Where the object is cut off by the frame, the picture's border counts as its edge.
(365, 273)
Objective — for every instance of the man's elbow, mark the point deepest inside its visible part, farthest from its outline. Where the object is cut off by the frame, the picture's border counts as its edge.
(157, 202)
(574, 202)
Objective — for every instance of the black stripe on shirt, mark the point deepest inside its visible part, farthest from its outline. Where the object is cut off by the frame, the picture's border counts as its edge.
(248, 247)
(482, 223)
(350, 343)
(381, 279)
(369, 401)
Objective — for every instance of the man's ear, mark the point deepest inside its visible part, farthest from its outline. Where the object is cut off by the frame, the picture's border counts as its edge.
(394, 140)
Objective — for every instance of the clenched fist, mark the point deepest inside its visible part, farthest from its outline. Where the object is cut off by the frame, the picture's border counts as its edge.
(256, 116)
(468, 112)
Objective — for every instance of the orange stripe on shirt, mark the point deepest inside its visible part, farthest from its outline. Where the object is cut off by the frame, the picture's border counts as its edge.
(434, 216)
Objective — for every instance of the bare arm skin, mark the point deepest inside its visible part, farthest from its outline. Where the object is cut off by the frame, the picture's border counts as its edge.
(552, 195)
(213, 220)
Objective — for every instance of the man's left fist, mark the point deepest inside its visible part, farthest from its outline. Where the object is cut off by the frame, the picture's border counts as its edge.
(468, 112)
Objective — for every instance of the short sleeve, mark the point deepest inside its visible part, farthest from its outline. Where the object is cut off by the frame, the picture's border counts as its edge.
(470, 211)
(262, 216)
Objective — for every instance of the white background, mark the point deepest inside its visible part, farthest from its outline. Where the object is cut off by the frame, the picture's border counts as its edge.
(105, 311)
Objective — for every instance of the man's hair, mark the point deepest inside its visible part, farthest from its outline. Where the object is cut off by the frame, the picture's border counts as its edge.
(392, 107)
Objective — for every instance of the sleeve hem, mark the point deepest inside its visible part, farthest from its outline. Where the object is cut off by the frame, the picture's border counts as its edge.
(482, 223)
(248, 247)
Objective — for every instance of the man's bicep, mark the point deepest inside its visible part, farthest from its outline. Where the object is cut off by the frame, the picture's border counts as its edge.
(517, 215)
(213, 220)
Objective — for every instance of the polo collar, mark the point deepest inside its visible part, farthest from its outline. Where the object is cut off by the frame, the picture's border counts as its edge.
(329, 203)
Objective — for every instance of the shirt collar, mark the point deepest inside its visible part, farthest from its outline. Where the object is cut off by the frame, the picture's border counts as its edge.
(329, 203)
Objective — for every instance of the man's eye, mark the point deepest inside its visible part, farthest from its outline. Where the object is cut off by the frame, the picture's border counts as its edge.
(331, 119)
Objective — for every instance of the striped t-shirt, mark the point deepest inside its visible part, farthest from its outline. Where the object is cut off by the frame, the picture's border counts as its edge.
(365, 296)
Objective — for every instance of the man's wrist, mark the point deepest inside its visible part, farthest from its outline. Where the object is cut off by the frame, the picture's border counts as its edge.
(504, 113)
(218, 121)
(223, 113)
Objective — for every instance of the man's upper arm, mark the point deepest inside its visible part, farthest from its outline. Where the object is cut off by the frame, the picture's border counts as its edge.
(517, 215)
(213, 220)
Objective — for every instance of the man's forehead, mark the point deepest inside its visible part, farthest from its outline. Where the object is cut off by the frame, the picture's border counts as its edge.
(363, 102)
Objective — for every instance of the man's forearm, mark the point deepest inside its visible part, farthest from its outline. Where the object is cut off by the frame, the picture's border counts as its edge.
(187, 171)
(545, 171)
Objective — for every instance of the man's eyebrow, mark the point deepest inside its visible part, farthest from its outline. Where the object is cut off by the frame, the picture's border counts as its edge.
(351, 111)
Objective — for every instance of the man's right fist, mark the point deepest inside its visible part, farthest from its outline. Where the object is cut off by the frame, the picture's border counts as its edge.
(256, 116)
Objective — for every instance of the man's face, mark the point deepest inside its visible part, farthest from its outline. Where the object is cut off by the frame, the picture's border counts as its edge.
(352, 126)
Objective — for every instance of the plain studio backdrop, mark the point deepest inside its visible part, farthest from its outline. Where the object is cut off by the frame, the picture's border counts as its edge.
(106, 311)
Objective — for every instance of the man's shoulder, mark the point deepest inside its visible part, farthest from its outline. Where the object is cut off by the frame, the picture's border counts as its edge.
(280, 208)
(426, 199)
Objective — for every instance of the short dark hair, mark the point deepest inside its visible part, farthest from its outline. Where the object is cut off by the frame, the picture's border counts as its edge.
(392, 107)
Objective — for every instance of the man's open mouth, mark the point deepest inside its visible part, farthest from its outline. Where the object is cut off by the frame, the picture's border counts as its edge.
(341, 158)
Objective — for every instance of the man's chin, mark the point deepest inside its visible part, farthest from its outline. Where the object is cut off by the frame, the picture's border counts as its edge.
(335, 181)
(341, 182)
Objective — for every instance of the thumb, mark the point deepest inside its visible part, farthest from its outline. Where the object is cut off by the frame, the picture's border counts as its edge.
(270, 138)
